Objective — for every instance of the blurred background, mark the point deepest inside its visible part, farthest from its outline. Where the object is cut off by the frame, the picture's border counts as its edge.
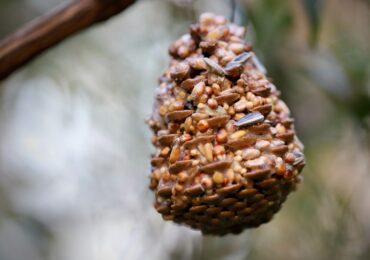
(74, 148)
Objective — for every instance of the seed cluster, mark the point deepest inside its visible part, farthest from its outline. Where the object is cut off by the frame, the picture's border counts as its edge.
(226, 152)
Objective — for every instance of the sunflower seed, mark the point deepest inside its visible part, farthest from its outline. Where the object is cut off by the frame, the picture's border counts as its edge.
(299, 158)
(241, 58)
(250, 119)
(214, 67)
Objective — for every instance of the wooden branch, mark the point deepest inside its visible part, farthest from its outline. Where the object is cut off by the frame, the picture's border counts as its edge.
(50, 29)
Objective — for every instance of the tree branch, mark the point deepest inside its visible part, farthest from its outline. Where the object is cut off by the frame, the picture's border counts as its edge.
(50, 29)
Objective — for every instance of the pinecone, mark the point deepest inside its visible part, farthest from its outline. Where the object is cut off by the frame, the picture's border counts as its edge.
(226, 152)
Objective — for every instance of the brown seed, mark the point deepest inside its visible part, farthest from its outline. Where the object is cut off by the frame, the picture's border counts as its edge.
(163, 209)
(208, 47)
(240, 106)
(239, 205)
(175, 154)
(228, 98)
(203, 125)
(257, 197)
(180, 166)
(221, 136)
(216, 166)
(246, 211)
(165, 151)
(279, 150)
(267, 183)
(237, 48)
(238, 134)
(206, 182)
(198, 64)
(218, 177)
(226, 214)
(185, 137)
(211, 199)
(213, 210)
(198, 90)
(180, 72)
(177, 105)
(167, 217)
(199, 140)
(262, 145)
(247, 193)
(233, 69)
(165, 192)
(212, 103)
(255, 163)
(188, 124)
(257, 174)
(263, 91)
(287, 122)
(179, 115)
(199, 116)
(173, 127)
(241, 143)
(198, 209)
(218, 121)
(167, 140)
(157, 161)
(250, 153)
(229, 189)
(259, 128)
(287, 137)
(231, 111)
(189, 84)
(208, 151)
(194, 190)
(182, 176)
(219, 150)
(228, 202)
(264, 109)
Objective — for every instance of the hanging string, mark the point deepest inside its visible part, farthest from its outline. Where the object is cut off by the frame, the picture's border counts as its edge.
(191, 10)
(233, 10)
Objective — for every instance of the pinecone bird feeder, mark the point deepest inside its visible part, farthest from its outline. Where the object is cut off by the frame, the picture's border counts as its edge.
(227, 155)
